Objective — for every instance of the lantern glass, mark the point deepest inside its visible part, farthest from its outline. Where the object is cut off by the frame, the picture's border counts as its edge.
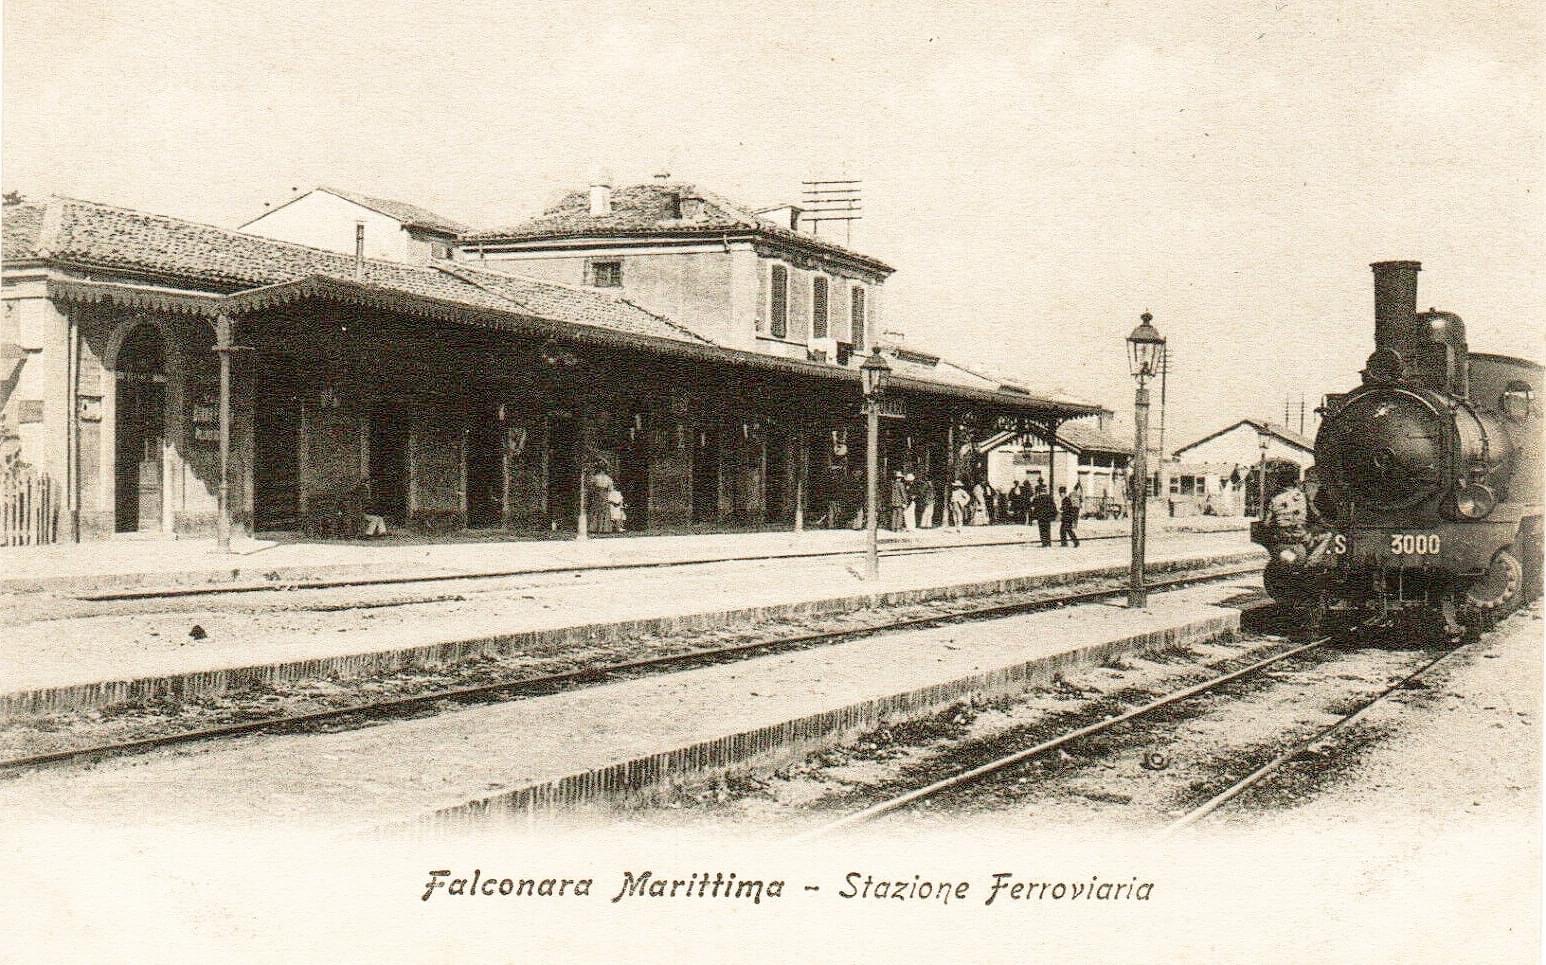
(1145, 349)
(875, 373)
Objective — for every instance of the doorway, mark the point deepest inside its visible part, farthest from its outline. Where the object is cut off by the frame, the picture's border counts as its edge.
(139, 432)
(779, 477)
(486, 470)
(705, 476)
(633, 475)
(389, 467)
(563, 482)
(276, 450)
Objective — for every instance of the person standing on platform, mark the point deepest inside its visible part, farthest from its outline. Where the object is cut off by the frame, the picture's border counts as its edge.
(959, 501)
(979, 505)
(898, 501)
(926, 498)
(910, 511)
(1069, 511)
(617, 515)
(598, 516)
(1045, 511)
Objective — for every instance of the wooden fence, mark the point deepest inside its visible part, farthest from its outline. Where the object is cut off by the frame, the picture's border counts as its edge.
(29, 509)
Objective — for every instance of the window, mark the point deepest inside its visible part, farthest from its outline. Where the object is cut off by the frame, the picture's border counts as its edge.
(856, 323)
(819, 307)
(1517, 400)
(778, 302)
(606, 274)
(439, 250)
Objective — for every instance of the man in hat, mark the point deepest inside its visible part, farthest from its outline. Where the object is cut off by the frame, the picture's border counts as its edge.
(1068, 509)
(898, 500)
(959, 500)
(1044, 511)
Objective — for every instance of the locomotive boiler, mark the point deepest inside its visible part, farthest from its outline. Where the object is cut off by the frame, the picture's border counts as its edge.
(1425, 497)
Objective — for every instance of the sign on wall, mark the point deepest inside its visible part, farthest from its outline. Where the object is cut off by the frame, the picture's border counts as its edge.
(206, 417)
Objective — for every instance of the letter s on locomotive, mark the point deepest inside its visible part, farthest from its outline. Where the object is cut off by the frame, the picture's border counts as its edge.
(1425, 498)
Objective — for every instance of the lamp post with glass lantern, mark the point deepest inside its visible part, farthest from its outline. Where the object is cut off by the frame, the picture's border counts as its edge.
(1145, 355)
(875, 372)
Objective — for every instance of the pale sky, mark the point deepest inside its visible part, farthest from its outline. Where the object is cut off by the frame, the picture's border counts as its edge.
(1039, 174)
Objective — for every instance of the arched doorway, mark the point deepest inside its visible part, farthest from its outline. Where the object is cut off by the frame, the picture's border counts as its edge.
(139, 431)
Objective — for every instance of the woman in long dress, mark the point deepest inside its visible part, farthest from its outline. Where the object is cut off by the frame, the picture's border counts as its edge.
(979, 505)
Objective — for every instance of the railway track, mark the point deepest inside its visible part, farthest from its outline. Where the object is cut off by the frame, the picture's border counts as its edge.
(402, 707)
(1016, 758)
(1256, 777)
(1309, 744)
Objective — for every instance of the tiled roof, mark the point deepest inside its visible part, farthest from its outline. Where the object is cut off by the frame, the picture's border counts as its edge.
(102, 236)
(205, 262)
(1257, 425)
(409, 214)
(647, 209)
(1285, 433)
(1090, 437)
(19, 227)
(1076, 436)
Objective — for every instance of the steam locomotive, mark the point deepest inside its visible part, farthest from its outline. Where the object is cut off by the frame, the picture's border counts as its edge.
(1425, 498)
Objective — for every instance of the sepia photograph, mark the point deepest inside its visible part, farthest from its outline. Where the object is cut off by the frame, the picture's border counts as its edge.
(793, 482)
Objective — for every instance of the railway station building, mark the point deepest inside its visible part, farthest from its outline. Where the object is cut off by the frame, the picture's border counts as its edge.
(711, 368)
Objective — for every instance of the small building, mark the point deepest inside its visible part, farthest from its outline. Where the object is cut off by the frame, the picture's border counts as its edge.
(1086, 457)
(331, 219)
(1220, 473)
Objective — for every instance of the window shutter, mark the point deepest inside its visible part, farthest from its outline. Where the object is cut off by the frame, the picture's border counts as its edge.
(819, 306)
(778, 308)
(857, 318)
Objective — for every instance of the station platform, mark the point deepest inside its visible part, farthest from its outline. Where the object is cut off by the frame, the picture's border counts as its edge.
(523, 759)
(64, 653)
(163, 565)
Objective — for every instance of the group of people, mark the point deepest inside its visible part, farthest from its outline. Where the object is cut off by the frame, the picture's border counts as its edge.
(913, 503)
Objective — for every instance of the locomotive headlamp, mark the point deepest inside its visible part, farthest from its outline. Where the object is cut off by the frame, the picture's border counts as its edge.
(1145, 349)
(1475, 500)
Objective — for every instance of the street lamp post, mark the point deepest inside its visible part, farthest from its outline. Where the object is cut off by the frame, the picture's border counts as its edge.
(874, 372)
(1145, 355)
(1261, 477)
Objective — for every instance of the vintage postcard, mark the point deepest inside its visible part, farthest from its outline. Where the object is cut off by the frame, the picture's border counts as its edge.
(794, 482)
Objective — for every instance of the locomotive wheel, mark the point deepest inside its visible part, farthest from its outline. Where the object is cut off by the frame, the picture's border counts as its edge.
(1498, 589)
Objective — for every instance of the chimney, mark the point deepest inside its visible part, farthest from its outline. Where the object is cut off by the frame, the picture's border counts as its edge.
(1395, 305)
(359, 251)
(689, 207)
(600, 199)
(794, 217)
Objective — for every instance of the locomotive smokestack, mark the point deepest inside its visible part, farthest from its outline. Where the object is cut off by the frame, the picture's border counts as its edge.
(1395, 305)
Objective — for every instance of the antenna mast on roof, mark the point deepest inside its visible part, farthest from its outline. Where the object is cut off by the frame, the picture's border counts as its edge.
(832, 201)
